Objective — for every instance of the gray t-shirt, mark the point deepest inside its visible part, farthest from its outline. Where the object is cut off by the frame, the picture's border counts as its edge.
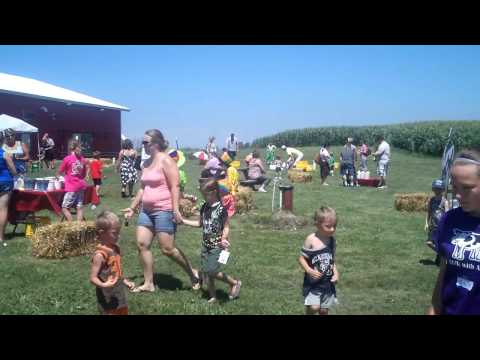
(348, 154)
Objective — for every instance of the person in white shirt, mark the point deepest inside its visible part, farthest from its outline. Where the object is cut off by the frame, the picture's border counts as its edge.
(232, 145)
(145, 157)
(382, 156)
(295, 155)
(211, 146)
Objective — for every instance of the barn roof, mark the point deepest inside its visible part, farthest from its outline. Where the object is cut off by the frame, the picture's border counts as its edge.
(19, 85)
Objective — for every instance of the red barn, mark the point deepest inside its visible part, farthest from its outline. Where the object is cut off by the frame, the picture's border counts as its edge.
(63, 114)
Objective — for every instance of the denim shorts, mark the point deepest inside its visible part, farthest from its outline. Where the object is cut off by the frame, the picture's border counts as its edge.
(6, 187)
(73, 199)
(160, 221)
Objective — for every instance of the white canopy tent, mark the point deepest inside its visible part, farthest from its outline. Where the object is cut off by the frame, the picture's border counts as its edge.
(7, 121)
(20, 126)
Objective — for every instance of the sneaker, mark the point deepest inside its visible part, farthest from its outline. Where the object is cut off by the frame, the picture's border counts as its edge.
(212, 300)
(4, 243)
(325, 184)
(262, 190)
(93, 207)
(235, 291)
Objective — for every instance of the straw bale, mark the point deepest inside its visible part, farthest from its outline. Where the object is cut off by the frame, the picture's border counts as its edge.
(286, 220)
(187, 207)
(299, 176)
(244, 200)
(412, 201)
(66, 239)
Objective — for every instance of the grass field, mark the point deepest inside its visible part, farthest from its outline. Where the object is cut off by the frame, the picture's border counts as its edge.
(384, 266)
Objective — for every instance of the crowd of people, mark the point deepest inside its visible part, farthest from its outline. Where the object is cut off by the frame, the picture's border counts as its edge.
(452, 228)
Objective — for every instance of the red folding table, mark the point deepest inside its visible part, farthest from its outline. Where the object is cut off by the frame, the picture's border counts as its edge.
(31, 201)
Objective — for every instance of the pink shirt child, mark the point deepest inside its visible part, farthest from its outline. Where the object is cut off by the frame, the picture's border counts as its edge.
(75, 169)
(156, 194)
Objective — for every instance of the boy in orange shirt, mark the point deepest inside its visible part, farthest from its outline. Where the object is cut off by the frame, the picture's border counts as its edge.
(106, 273)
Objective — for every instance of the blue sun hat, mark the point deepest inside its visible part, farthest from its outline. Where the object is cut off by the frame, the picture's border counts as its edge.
(438, 184)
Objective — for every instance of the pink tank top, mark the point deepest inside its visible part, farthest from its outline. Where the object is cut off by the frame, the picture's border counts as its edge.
(156, 195)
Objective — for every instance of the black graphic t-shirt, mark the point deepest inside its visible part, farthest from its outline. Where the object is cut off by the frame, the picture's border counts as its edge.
(322, 260)
(212, 218)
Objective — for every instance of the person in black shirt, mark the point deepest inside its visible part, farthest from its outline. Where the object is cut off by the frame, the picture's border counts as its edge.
(317, 259)
(216, 228)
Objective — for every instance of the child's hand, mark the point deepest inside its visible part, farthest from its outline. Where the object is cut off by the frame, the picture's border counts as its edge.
(334, 278)
(129, 284)
(110, 282)
(315, 274)
(224, 244)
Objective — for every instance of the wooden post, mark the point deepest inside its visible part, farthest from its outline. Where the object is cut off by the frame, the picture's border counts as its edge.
(287, 197)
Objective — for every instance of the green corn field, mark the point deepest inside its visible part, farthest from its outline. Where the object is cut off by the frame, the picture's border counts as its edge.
(427, 137)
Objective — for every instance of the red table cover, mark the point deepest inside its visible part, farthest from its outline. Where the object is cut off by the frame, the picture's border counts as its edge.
(372, 181)
(33, 201)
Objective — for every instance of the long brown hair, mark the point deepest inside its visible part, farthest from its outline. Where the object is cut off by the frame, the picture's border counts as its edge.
(157, 139)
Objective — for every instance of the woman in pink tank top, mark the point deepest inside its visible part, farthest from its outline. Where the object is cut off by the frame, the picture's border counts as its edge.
(158, 198)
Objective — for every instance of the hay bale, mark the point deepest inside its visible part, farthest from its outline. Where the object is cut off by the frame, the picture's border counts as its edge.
(286, 220)
(299, 176)
(187, 207)
(65, 239)
(244, 200)
(412, 201)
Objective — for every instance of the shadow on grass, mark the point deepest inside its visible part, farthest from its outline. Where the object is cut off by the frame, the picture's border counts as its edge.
(221, 295)
(427, 262)
(162, 281)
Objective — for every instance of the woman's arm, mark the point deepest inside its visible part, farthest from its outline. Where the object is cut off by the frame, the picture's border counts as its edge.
(173, 181)
(117, 166)
(436, 307)
(134, 204)
(10, 164)
(26, 152)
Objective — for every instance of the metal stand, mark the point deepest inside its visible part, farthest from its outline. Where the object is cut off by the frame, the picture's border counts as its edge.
(276, 180)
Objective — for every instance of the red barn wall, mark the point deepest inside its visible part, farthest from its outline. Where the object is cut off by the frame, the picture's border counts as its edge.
(62, 121)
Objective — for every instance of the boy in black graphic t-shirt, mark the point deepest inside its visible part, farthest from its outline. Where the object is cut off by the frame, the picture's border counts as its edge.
(317, 258)
(215, 223)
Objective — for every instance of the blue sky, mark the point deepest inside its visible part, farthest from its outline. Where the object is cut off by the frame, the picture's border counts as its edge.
(192, 92)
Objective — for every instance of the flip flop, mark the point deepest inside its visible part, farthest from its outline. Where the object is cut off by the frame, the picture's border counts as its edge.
(139, 289)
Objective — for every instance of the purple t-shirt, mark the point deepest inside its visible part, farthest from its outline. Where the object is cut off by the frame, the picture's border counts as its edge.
(75, 169)
(458, 240)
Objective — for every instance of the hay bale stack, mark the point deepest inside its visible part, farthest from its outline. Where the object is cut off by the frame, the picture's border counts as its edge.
(286, 220)
(299, 176)
(187, 207)
(244, 200)
(412, 201)
(65, 239)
